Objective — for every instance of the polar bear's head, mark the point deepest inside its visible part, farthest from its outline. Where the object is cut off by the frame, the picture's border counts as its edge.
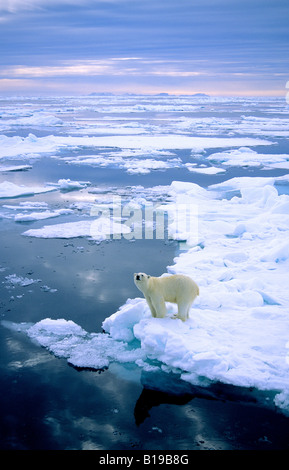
(140, 280)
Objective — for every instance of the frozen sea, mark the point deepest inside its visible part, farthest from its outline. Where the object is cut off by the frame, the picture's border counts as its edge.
(95, 188)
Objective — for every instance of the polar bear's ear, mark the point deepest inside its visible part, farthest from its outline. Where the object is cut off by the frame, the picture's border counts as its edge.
(148, 276)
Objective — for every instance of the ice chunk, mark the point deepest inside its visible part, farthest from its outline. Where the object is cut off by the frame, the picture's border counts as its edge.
(120, 325)
(68, 185)
(64, 338)
(15, 280)
(10, 190)
(245, 156)
(32, 216)
(14, 168)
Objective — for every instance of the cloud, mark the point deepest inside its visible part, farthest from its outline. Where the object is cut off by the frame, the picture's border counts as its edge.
(115, 66)
(146, 42)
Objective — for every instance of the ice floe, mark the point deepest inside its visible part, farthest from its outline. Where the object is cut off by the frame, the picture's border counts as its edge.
(11, 190)
(29, 211)
(6, 168)
(31, 146)
(33, 216)
(245, 156)
(68, 185)
(96, 229)
(15, 280)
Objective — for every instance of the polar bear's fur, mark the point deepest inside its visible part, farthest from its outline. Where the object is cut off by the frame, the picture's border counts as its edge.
(176, 288)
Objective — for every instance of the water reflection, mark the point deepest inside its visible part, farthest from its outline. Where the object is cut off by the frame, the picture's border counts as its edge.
(151, 398)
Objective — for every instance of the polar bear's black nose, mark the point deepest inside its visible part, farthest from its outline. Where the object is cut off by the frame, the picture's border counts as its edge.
(138, 277)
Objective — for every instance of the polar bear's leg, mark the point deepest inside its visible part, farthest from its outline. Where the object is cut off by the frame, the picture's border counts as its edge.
(183, 311)
(152, 309)
(160, 306)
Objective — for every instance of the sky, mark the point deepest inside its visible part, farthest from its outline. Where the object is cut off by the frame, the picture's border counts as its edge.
(71, 47)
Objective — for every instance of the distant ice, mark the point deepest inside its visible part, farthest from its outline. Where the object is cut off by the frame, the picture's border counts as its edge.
(33, 216)
(40, 118)
(31, 146)
(208, 170)
(68, 185)
(245, 156)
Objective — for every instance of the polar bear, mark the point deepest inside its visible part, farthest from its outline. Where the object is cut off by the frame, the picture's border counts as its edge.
(176, 288)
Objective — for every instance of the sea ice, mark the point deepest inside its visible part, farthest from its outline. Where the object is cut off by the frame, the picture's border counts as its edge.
(11, 190)
(32, 216)
(6, 168)
(207, 170)
(68, 185)
(245, 156)
(97, 229)
(237, 252)
(15, 280)
(27, 147)
(238, 330)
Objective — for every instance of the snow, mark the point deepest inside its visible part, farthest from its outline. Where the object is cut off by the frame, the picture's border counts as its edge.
(238, 331)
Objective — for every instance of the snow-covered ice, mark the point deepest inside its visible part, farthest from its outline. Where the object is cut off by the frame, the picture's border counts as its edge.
(31, 146)
(97, 229)
(68, 185)
(245, 156)
(32, 216)
(11, 190)
(32, 211)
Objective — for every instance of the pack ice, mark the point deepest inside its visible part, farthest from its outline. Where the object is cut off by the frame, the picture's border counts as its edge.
(238, 331)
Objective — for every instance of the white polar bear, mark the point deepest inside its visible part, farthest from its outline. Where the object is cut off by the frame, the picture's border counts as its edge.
(176, 288)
